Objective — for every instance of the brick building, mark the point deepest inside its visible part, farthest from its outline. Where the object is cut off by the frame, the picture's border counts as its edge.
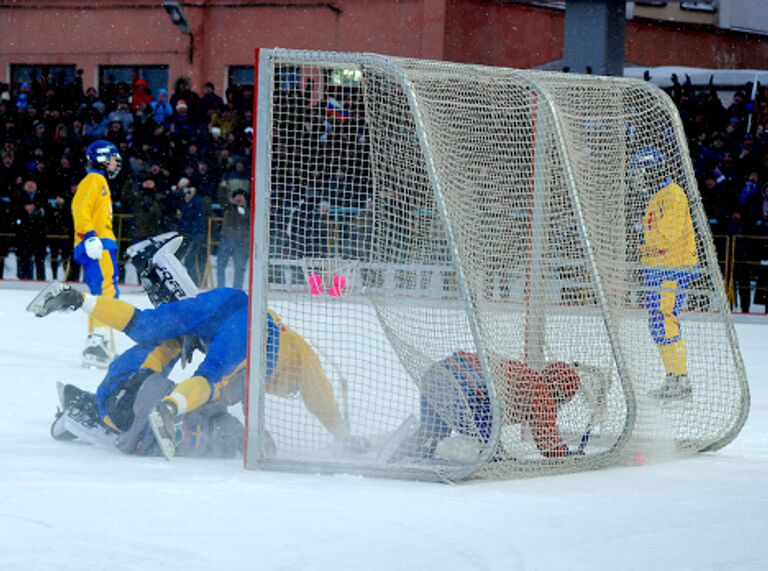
(128, 38)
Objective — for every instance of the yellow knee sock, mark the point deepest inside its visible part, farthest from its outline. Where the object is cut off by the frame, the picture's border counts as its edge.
(108, 311)
(94, 324)
(190, 394)
(674, 357)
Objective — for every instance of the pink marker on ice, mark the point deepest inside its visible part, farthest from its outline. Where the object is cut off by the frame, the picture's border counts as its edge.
(339, 283)
(315, 282)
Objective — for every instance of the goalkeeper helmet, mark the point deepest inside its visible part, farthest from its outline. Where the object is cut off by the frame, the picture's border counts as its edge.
(100, 153)
(563, 379)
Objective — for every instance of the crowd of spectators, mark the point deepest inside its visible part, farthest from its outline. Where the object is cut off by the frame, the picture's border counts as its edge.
(729, 150)
(184, 156)
(187, 157)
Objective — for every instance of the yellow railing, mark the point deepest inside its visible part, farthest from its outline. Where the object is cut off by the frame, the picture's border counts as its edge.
(726, 247)
(748, 262)
(211, 240)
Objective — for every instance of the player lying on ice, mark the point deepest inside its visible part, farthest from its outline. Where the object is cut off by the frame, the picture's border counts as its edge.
(118, 413)
(217, 321)
(454, 398)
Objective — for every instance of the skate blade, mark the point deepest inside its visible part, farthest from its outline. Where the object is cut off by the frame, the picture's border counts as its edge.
(37, 305)
(156, 424)
(92, 363)
(58, 428)
(406, 429)
(670, 401)
(60, 394)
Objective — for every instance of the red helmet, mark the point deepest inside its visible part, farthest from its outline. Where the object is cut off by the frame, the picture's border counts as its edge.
(564, 380)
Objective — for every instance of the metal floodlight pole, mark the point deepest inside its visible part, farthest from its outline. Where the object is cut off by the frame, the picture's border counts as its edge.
(177, 16)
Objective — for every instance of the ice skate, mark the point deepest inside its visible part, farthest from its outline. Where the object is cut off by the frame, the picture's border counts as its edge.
(162, 421)
(70, 395)
(409, 440)
(142, 253)
(78, 417)
(674, 388)
(419, 445)
(160, 273)
(97, 353)
(56, 296)
(58, 428)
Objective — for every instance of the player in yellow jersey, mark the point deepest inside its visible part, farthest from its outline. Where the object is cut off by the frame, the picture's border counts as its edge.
(95, 243)
(669, 259)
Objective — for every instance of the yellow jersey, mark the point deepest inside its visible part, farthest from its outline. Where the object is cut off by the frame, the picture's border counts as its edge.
(92, 210)
(670, 240)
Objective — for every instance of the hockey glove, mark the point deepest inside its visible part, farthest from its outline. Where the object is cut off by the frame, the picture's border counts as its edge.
(94, 247)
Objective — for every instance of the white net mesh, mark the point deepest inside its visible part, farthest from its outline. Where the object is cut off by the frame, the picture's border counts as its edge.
(482, 271)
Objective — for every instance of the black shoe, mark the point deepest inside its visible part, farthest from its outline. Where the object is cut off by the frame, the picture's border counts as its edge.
(56, 296)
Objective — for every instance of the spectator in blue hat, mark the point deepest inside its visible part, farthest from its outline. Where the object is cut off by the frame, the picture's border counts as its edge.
(162, 112)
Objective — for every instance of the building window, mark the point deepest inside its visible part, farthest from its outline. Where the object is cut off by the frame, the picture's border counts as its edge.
(700, 6)
(240, 75)
(42, 76)
(287, 78)
(156, 76)
(345, 77)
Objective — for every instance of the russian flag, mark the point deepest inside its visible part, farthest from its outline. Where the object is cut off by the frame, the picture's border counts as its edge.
(337, 110)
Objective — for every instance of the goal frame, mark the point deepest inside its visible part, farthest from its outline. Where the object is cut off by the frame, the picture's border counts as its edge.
(255, 456)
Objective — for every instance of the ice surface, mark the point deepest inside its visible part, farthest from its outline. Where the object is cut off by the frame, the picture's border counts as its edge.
(72, 506)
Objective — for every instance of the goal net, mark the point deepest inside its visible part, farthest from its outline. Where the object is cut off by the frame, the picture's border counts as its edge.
(476, 271)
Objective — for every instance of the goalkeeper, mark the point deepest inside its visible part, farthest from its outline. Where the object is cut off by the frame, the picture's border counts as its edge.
(669, 259)
(454, 397)
(218, 320)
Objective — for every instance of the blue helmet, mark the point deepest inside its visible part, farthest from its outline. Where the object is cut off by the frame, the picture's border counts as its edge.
(647, 159)
(98, 155)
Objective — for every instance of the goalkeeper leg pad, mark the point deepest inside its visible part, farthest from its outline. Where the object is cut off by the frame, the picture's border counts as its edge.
(69, 395)
(210, 436)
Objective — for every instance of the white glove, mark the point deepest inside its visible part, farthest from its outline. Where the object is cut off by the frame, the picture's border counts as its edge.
(94, 247)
